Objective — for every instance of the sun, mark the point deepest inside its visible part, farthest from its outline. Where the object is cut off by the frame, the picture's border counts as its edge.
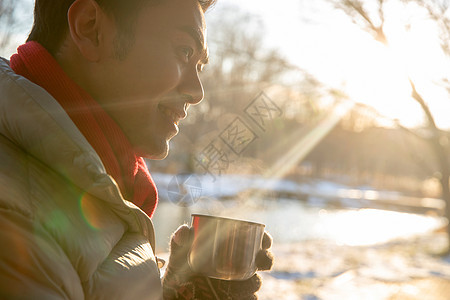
(379, 75)
(378, 80)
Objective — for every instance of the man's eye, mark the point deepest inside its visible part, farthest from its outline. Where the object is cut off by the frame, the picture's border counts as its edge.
(186, 53)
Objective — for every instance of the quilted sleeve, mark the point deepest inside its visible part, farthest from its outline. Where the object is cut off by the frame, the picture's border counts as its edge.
(32, 265)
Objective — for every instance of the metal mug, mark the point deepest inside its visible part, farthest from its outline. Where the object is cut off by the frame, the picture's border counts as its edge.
(224, 248)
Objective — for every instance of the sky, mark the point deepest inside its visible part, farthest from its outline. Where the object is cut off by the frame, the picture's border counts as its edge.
(317, 38)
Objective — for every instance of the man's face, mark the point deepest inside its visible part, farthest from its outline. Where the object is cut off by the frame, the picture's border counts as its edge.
(149, 91)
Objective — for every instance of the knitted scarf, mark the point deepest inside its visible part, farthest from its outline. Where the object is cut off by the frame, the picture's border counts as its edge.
(102, 132)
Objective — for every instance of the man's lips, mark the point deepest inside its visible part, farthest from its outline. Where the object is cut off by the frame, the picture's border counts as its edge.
(173, 114)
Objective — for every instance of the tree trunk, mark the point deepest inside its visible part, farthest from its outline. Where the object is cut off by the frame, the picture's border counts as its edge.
(441, 156)
(444, 180)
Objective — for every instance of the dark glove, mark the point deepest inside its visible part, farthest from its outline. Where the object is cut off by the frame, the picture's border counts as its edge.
(180, 282)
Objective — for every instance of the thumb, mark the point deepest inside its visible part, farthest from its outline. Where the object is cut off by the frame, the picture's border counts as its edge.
(180, 243)
(181, 237)
(178, 274)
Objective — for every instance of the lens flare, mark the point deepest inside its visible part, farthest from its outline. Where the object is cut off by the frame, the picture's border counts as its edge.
(89, 211)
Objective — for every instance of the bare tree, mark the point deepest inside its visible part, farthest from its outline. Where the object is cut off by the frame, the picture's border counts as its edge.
(373, 21)
(438, 11)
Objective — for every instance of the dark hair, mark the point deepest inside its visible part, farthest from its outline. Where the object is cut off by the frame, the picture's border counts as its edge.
(50, 20)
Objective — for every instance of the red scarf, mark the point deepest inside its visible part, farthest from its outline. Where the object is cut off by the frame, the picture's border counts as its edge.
(130, 171)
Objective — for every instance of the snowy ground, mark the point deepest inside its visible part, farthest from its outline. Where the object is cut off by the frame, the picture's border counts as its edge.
(410, 269)
(402, 269)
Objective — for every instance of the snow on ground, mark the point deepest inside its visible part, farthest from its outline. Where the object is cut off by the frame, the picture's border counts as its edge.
(316, 192)
(232, 185)
(229, 185)
(402, 269)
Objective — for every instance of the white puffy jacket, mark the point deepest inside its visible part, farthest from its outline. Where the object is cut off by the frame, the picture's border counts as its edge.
(65, 230)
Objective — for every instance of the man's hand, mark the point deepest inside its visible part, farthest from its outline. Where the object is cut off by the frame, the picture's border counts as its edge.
(180, 282)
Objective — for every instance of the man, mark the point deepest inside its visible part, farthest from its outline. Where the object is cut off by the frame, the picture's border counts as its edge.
(98, 86)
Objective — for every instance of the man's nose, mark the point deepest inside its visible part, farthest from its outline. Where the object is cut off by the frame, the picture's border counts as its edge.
(192, 86)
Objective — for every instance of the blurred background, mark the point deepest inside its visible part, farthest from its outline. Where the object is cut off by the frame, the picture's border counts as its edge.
(328, 121)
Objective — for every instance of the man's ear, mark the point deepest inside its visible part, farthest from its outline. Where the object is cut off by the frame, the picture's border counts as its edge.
(85, 27)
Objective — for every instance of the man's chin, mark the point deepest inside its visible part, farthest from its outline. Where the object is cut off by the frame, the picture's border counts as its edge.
(155, 153)
(158, 157)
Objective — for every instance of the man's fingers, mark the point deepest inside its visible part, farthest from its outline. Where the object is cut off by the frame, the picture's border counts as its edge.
(244, 289)
(237, 289)
(264, 260)
(266, 241)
